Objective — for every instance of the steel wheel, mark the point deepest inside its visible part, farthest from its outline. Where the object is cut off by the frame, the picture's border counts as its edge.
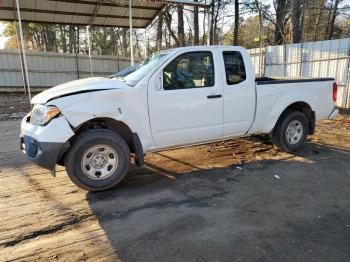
(99, 162)
(294, 132)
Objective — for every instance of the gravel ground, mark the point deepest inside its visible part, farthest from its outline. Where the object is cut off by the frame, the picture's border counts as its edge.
(13, 106)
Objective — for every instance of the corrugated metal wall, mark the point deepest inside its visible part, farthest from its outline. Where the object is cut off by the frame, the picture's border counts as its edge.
(315, 59)
(50, 69)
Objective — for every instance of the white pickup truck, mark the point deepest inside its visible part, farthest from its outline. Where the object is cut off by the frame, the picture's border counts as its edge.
(179, 97)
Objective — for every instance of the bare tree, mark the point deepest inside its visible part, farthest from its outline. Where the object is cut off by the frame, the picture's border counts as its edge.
(236, 26)
(195, 25)
(333, 15)
(124, 42)
(317, 20)
(159, 32)
(180, 25)
(281, 7)
(296, 15)
(168, 20)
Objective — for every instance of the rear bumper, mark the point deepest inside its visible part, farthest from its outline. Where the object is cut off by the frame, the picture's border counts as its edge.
(334, 113)
(43, 144)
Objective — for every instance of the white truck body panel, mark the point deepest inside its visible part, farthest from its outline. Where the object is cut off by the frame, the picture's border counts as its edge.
(76, 87)
(128, 105)
(239, 100)
(58, 131)
(273, 99)
(190, 117)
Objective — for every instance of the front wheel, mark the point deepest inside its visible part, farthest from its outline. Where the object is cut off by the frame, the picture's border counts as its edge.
(291, 131)
(98, 160)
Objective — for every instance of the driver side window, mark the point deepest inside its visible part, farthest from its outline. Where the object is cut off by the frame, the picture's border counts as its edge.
(189, 70)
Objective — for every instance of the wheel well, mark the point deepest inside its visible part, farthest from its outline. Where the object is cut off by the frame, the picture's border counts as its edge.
(97, 123)
(108, 123)
(306, 110)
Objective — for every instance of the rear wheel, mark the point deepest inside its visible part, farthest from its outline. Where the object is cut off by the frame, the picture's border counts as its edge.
(98, 160)
(291, 131)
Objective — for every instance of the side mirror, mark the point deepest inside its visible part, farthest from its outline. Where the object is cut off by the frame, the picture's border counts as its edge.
(159, 82)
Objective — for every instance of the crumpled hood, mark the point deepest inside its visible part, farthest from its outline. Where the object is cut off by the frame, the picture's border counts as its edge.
(76, 87)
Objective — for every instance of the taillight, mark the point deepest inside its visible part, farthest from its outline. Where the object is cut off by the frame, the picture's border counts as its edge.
(335, 90)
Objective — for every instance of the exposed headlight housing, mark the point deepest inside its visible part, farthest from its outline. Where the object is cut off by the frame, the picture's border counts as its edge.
(42, 114)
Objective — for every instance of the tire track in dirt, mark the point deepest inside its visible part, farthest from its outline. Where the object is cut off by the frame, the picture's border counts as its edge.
(66, 225)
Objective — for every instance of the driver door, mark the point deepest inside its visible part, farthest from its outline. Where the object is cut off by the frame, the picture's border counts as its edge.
(186, 103)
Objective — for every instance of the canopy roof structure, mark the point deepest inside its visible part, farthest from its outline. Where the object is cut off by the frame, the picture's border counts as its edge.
(113, 13)
(109, 13)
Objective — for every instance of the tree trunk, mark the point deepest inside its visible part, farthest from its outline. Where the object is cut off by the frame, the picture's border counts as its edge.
(159, 32)
(317, 22)
(167, 38)
(296, 21)
(63, 38)
(332, 20)
(71, 37)
(195, 26)
(213, 22)
(167, 18)
(77, 44)
(180, 26)
(124, 42)
(204, 28)
(236, 26)
(280, 16)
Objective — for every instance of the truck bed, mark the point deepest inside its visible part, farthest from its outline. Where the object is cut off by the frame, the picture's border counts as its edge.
(282, 80)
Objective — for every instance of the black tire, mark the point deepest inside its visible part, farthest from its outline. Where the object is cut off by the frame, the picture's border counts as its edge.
(279, 135)
(90, 139)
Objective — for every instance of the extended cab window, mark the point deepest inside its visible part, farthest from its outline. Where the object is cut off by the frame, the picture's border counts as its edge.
(234, 67)
(189, 70)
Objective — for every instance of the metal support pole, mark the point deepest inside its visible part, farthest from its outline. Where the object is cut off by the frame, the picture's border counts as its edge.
(89, 47)
(23, 49)
(131, 41)
(21, 59)
(261, 44)
(301, 58)
(347, 84)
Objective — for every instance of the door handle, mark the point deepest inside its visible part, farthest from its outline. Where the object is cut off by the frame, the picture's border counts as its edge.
(214, 96)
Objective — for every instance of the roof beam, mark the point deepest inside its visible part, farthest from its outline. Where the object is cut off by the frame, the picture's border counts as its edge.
(111, 3)
(181, 2)
(94, 7)
(69, 23)
(42, 11)
(107, 4)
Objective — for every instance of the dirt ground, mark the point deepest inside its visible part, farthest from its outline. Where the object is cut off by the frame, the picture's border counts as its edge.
(13, 103)
(239, 200)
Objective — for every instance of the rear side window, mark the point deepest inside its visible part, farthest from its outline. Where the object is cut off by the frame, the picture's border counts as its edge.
(234, 67)
(189, 70)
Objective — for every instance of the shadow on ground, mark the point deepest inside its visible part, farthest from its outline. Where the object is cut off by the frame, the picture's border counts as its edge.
(231, 214)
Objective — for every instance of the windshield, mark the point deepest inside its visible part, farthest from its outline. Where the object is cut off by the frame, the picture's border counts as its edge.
(147, 65)
(127, 71)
